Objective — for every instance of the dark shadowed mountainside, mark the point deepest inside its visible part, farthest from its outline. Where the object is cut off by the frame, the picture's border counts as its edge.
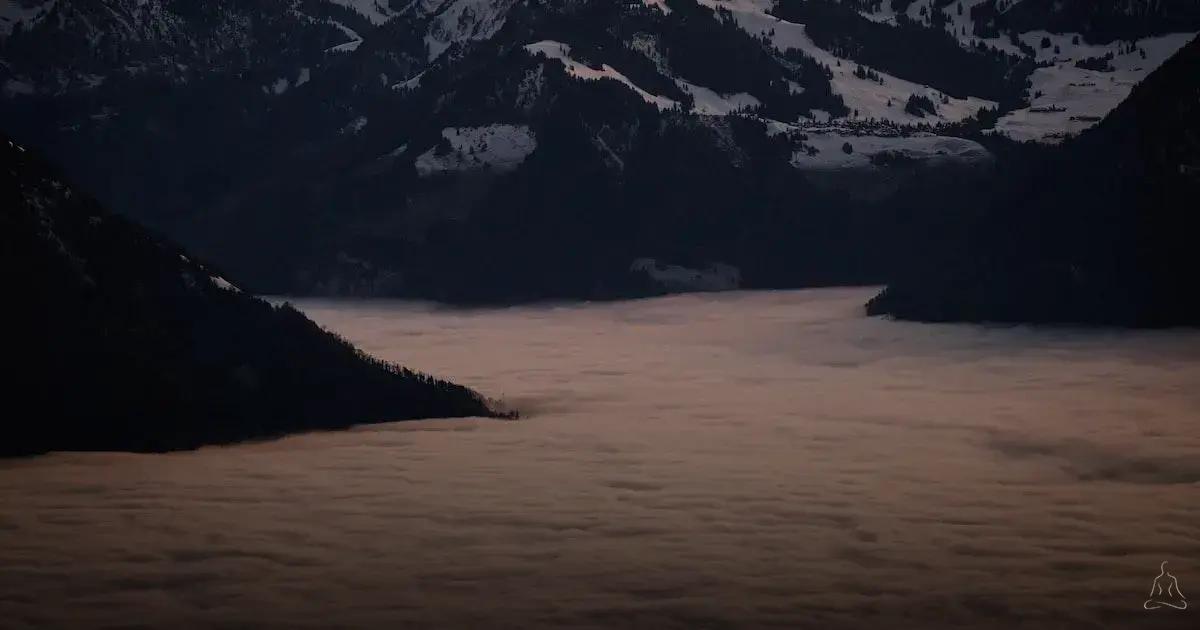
(1102, 231)
(124, 343)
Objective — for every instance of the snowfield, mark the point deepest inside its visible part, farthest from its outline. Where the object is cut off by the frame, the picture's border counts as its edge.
(881, 152)
(865, 97)
(1066, 99)
(223, 284)
(499, 147)
(708, 102)
(458, 21)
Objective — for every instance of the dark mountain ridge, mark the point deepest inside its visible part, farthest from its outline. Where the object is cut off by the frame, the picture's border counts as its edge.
(1101, 231)
(125, 343)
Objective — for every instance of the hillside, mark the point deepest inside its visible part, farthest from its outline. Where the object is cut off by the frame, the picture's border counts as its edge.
(509, 150)
(1102, 232)
(128, 344)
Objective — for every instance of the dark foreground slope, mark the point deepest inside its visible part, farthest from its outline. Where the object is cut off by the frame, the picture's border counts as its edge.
(119, 342)
(1102, 231)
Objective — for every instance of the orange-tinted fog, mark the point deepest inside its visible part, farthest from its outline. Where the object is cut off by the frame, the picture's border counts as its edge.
(738, 460)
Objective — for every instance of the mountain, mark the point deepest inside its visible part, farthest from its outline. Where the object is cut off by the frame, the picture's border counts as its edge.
(507, 150)
(126, 343)
(1101, 232)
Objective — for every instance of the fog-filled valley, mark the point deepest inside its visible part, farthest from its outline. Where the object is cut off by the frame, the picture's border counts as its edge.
(744, 460)
(722, 314)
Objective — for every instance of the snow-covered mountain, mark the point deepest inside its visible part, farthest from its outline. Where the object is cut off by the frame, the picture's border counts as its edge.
(1071, 76)
(370, 143)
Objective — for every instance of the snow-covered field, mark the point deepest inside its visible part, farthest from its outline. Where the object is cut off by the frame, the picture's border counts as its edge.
(1066, 99)
(498, 147)
(883, 152)
(867, 97)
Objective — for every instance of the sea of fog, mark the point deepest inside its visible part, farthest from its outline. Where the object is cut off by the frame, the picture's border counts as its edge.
(736, 460)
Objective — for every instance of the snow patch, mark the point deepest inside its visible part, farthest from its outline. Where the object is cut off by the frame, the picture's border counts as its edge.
(377, 11)
(499, 147)
(460, 21)
(711, 103)
(826, 150)
(223, 284)
(355, 126)
(12, 87)
(562, 52)
(410, 84)
(866, 97)
(1066, 99)
(884, 13)
(661, 5)
(356, 40)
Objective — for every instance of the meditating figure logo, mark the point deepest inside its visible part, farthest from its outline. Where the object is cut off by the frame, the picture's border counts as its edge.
(1165, 592)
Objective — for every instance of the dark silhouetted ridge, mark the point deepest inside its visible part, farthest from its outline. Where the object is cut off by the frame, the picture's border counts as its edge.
(1102, 231)
(118, 341)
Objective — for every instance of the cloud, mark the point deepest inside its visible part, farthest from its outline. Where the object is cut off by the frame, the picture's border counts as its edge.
(690, 462)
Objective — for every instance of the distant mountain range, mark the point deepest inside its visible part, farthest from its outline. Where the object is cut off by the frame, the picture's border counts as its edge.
(122, 341)
(508, 150)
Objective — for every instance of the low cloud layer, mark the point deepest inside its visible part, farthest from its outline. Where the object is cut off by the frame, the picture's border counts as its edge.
(729, 461)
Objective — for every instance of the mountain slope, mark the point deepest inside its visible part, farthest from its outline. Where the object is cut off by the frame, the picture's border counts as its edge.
(523, 149)
(127, 344)
(1102, 233)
